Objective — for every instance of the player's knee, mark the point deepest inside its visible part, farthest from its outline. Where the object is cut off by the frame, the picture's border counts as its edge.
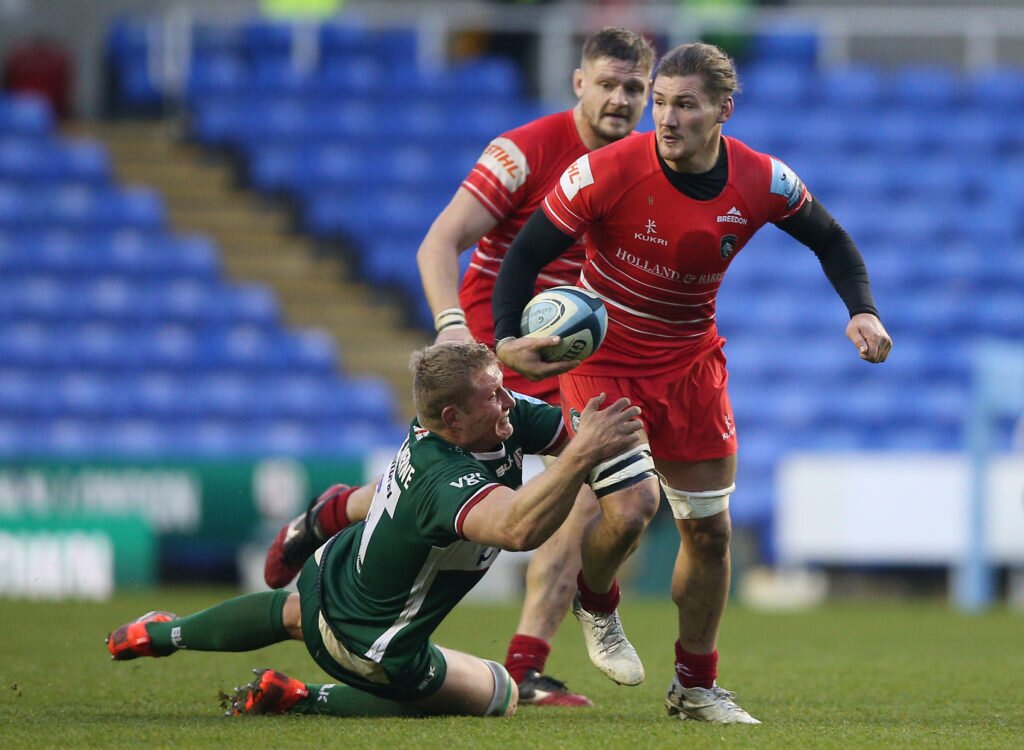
(711, 537)
(505, 698)
(632, 520)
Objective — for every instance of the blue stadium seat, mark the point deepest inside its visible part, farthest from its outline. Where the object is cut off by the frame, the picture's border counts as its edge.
(853, 87)
(84, 208)
(22, 390)
(86, 394)
(899, 134)
(216, 40)
(939, 179)
(68, 437)
(999, 89)
(928, 88)
(397, 45)
(1000, 314)
(209, 438)
(309, 351)
(228, 393)
(488, 76)
(276, 168)
(358, 438)
(106, 346)
(25, 115)
(266, 39)
(343, 39)
(19, 438)
(363, 75)
(786, 44)
(214, 77)
(283, 437)
(279, 78)
(35, 297)
(778, 85)
(168, 347)
(130, 45)
(163, 395)
(31, 161)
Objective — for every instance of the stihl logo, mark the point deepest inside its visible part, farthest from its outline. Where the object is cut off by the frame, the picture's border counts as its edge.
(576, 177)
(504, 159)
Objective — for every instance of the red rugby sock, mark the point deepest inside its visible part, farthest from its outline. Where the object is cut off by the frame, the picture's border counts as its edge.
(696, 670)
(593, 601)
(525, 653)
(333, 517)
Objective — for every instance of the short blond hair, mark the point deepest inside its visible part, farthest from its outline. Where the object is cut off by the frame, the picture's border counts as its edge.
(711, 63)
(442, 375)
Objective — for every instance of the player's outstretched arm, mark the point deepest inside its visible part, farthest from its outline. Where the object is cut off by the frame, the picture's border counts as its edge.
(459, 226)
(525, 519)
(869, 336)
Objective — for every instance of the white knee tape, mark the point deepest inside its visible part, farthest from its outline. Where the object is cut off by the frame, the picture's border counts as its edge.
(502, 689)
(625, 470)
(703, 504)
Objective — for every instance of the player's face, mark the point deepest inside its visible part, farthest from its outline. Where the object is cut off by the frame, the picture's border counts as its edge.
(612, 95)
(485, 416)
(688, 122)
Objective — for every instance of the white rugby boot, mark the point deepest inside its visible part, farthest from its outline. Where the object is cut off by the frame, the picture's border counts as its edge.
(608, 646)
(715, 705)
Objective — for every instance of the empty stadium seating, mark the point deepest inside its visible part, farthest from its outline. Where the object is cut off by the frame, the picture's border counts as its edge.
(121, 338)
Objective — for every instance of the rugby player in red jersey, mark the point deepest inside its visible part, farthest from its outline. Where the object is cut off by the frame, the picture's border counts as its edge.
(664, 215)
(506, 185)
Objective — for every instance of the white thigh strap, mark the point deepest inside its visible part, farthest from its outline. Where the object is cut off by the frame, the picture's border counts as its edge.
(624, 470)
(703, 504)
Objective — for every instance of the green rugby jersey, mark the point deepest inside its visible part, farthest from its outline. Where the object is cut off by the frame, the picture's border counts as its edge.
(388, 582)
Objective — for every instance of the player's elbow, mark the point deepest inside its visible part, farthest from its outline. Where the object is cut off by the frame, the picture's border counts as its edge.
(522, 537)
(519, 541)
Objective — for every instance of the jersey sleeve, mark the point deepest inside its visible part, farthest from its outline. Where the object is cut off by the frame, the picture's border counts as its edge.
(786, 192)
(455, 489)
(540, 426)
(569, 205)
(498, 179)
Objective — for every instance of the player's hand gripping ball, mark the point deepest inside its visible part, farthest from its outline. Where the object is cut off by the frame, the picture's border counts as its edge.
(575, 314)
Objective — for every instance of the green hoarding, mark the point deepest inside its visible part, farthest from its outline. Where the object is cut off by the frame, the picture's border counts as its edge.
(211, 501)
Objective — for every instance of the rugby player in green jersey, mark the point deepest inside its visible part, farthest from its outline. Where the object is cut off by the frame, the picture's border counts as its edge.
(369, 600)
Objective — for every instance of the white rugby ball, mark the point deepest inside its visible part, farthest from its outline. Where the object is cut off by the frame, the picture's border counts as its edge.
(575, 314)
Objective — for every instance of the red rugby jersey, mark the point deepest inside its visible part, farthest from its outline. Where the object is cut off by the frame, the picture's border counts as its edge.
(511, 178)
(657, 257)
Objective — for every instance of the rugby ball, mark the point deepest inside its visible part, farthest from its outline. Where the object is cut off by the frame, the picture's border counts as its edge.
(575, 314)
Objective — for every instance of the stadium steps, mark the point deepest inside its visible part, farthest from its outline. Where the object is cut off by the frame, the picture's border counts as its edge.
(257, 245)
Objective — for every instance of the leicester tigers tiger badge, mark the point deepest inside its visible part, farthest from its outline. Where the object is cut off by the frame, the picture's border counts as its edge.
(729, 245)
(574, 420)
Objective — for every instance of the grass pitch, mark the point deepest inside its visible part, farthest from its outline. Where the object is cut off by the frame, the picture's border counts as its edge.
(887, 675)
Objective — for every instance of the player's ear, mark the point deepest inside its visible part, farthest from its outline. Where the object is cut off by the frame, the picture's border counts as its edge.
(725, 109)
(451, 417)
(577, 82)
